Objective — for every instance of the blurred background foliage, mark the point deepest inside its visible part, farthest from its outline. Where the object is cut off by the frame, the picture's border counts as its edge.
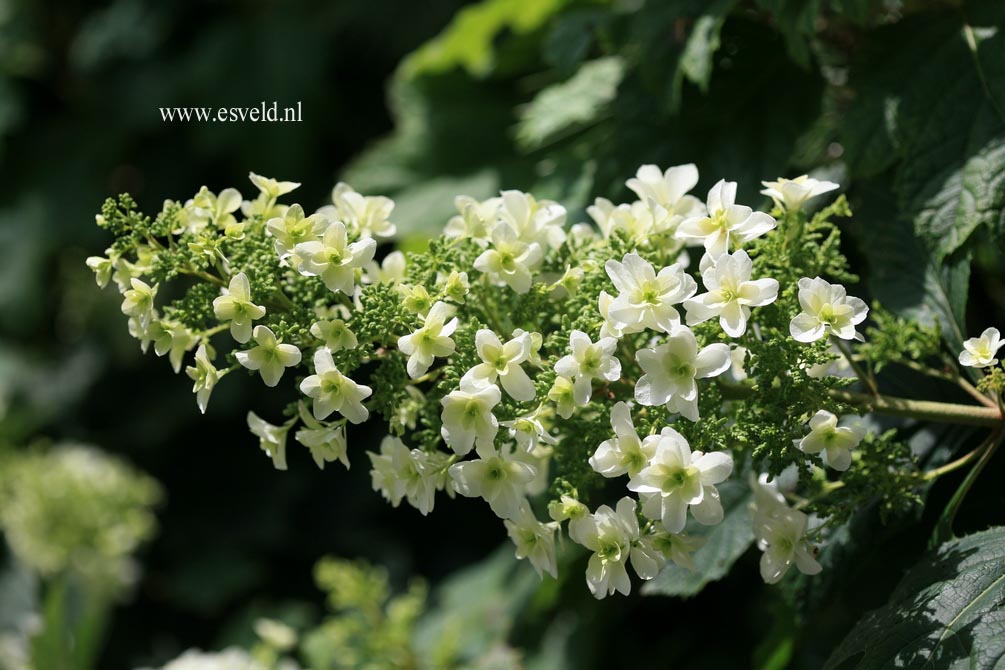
(901, 100)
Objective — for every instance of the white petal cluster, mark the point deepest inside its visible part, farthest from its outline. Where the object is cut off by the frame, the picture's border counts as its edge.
(400, 473)
(725, 224)
(334, 392)
(646, 298)
(269, 357)
(430, 341)
(827, 310)
(780, 532)
(792, 194)
(502, 362)
(587, 361)
(834, 443)
(672, 368)
(334, 259)
(730, 294)
(235, 305)
(498, 477)
(981, 352)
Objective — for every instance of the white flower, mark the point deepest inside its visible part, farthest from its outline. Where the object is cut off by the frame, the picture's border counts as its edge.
(293, 228)
(677, 479)
(563, 394)
(206, 207)
(534, 540)
(609, 534)
(979, 352)
(326, 441)
(272, 188)
(205, 375)
(791, 194)
(534, 222)
(175, 340)
(368, 215)
(138, 302)
(455, 286)
(588, 361)
(102, 268)
(768, 501)
(646, 299)
(781, 538)
(669, 191)
(334, 392)
(497, 477)
(726, 223)
(502, 361)
(674, 546)
(636, 220)
(609, 329)
(529, 432)
(467, 417)
(833, 441)
(228, 659)
(672, 368)
(476, 219)
(625, 453)
(235, 305)
(730, 294)
(390, 271)
(402, 473)
(415, 299)
(510, 260)
(826, 309)
(335, 334)
(430, 341)
(334, 259)
(271, 439)
(271, 357)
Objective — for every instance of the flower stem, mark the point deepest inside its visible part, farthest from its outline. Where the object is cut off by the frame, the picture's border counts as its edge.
(940, 412)
(866, 379)
(944, 528)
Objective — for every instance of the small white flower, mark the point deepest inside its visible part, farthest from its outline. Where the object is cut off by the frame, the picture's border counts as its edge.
(271, 439)
(791, 194)
(293, 228)
(669, 191)
(625, 453)
(497, 477)
(335, 334)
(646, 299)
(138, 302)
(540, 223)
(402, 473)
(368, 215)
(672, 368)
(529, 432)
(781, 538)
(390, 271)
(826, 309)
(334, 392)
(979, 352)
(675, 546)
(455, 286)
(334, 259)
(534, 540)
(430, 341)
(206, 208)
(235, 305)
(588, 361)
(272, 188)
(467, 417)
(476, 219)
(415, 299)
(502, 361)
(563, 394)
(609, 534)
(271, 357)
(510, 260)
(832, 441)
(730, 294)
(726, 223)
(326, 441)
(205, 375)
(102, 269)
(175, 340)
(677, 479)
(636, 220)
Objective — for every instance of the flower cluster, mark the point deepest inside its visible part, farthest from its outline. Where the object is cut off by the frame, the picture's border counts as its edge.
(519, 356)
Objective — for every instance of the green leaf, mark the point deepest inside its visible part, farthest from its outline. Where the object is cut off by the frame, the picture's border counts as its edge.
(696, 59)
(946, 613)
(724, 544)
(571, 104)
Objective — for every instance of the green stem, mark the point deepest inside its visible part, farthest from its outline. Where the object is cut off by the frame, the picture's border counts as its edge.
(951, 378)
(867, 380)
(944, 528)
(940, 412)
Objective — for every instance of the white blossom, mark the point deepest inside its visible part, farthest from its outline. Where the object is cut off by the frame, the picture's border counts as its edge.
(334, 259)
(833, 442)
(563, 394)
(430, 341)
(293, 228)
(334, 392)
(138, 302)
(497, 477)
(588, 361)
(540, 223)
(646, 298)
(402, 473)
(467, 417)
(678, 479)
(792, 194)
(271, 439)
(676, 547)
(235, 305)
(368, 215)
(502, 362)
(270, 357)
(672, 368)
(476, 220)
(326, 441)
(781, 538)
(528, 432)
(390, 270)
(455, 286)
(534, 540)
(609, 534)
(730, 293)
(669, 191)
(726, 224)
(625, 453)
(102, 268)
(827, 309)
(334, 333)
(510, 260)
(980, 352)
(205, 375)
(174, 340)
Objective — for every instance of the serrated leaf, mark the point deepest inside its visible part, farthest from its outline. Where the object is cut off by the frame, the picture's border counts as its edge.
(570, 104)
(724, 544)
(946, 613)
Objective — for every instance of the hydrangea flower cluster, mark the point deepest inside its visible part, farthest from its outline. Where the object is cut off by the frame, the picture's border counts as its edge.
(585, 380)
